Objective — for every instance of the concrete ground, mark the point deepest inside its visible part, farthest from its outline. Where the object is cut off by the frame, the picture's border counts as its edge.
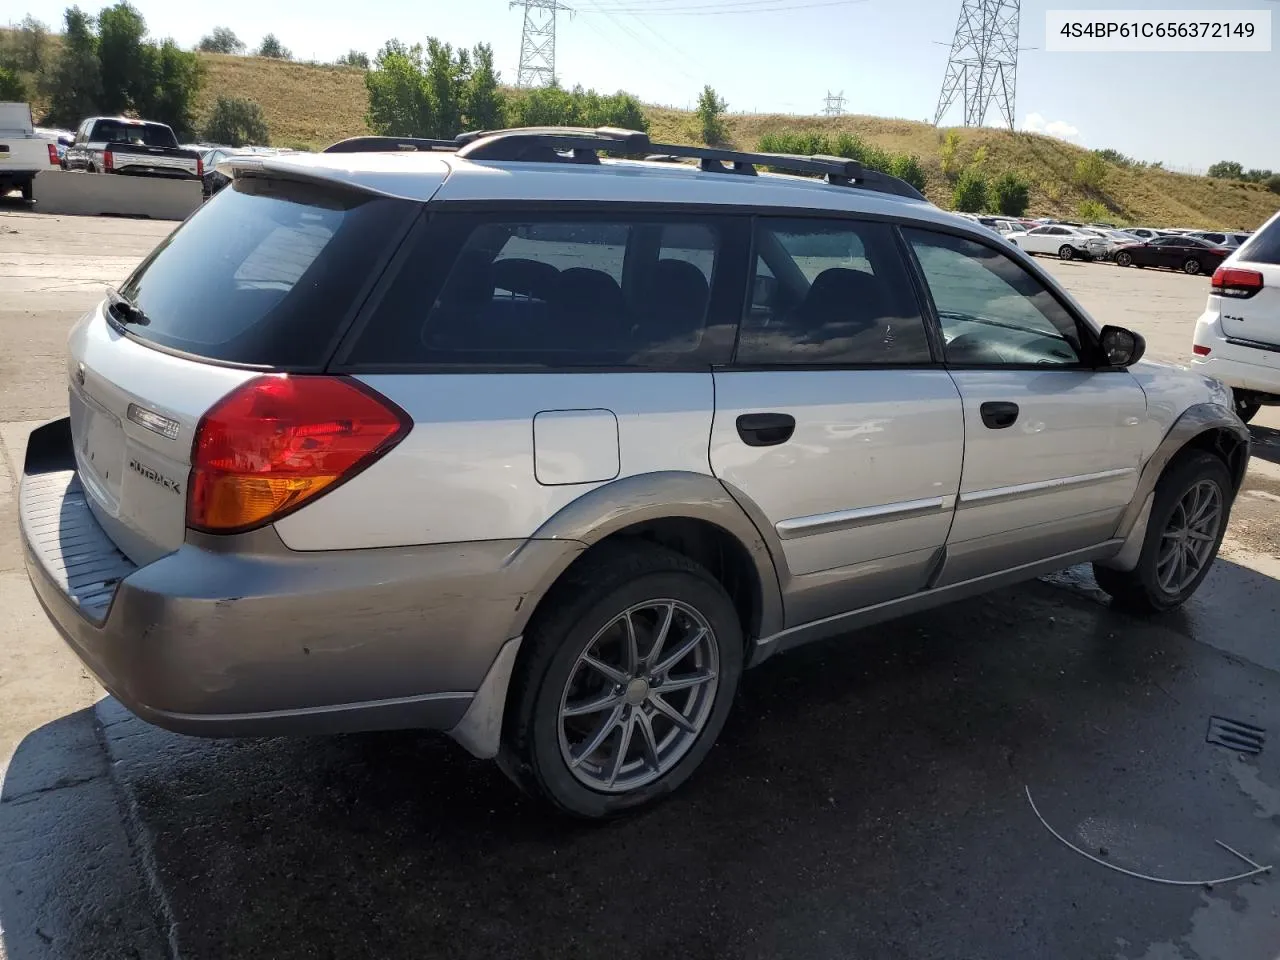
(866, 799)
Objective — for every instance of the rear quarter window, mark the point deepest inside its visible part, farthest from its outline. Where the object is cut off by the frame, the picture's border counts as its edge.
(267, 273)
(1263, 246)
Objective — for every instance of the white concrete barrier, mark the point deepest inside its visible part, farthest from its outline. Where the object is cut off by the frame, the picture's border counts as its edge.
(95, 194)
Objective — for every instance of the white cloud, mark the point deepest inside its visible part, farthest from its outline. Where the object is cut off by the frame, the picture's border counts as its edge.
(1035, 123)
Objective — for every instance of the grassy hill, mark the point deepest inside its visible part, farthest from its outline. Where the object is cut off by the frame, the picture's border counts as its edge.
(312, 105)
(316, 105)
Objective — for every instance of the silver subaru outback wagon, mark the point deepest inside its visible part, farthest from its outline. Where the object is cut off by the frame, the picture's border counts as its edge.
(508, 439)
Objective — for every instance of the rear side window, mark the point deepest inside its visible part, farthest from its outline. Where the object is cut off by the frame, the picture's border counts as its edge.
(550, 293)
(147, 134)
(831, 292)
(266, 273)
(1263, 246)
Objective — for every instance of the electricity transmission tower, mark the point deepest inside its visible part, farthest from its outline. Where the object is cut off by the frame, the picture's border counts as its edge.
(833, 104)
(538, 42)
(983, 65)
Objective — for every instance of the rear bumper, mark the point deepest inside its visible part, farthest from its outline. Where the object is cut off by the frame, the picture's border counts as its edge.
(1238, 365)
(232, 636)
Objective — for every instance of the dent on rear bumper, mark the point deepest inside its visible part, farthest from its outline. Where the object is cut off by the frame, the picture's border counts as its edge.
(240, 636)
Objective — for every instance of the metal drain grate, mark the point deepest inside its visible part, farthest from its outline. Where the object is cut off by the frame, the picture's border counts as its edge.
(1236, 735)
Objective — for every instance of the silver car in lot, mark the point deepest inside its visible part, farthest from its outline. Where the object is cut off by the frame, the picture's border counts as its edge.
(542, 449)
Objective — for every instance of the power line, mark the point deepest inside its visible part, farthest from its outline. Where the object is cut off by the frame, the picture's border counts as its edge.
(617, 22)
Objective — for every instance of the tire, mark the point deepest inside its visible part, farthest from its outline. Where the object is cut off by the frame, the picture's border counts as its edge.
(1145, 589)
(1066, 252)
(1192, 267)
(1124, 259)
(1245, 406)
(584, 612)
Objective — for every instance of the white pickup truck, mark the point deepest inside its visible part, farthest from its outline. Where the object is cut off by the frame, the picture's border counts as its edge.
(22, 153)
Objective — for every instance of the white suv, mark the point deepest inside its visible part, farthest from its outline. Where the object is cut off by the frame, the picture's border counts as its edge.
(542, 449)
(1237, 338)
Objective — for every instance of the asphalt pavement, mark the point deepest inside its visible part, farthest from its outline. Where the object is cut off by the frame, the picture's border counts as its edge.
(868, 798)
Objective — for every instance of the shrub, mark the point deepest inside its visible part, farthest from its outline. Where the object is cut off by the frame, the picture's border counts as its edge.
(237, 122)
(1115, 156)
(710, 112)
(354, 58)
(947, 154)
(1092, 211)
(970, 194)
(1090, 171)
(906, 166)
(1226, 170)
(1012, 194)
(222, 40)
(273, 49)
(1273, 183)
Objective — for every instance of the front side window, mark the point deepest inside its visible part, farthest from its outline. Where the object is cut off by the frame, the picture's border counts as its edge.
(830, 292)
(551, 293)
(992, 311)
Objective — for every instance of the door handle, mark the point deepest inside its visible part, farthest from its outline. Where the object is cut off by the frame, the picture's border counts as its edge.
(998, 414)
(766, 429)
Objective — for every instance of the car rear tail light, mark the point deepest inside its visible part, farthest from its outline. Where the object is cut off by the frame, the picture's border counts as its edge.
(1200, 350)
(108, 161)
(1234, 282)
(53, 155)
(200, 167)
(278, 442)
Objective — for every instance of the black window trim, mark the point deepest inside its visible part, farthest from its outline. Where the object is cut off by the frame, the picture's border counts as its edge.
(718, 340)
(1088, 335)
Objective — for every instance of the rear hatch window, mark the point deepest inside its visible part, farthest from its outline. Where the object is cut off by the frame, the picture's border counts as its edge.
(146, 134)
(266, 274)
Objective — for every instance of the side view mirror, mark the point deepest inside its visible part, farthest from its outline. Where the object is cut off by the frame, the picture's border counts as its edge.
(1121, 347)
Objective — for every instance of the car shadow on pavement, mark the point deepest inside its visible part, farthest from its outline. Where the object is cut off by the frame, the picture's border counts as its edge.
(1266, 443)
(69, 884)
(866, 799)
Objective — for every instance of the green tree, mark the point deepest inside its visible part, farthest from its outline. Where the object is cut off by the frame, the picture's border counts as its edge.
(75, 87)
(1256, 176)
(947, 154)
(1226, 170)
(11, 86)
(1273, 183)
(710, 112)
(273, 49)
(1090, 171)
(222, 40)
(26, 48)
(483, 104)
(549, 106)
(354, 58)
(1114, 156)
(446, 80)
(398, 101)
(126, 63)
(175, 79)
(1012, 194)
(970, 194)
(237, 122)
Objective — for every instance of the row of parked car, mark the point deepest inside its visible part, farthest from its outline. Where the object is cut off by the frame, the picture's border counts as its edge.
(1191, 251)
(120, 145)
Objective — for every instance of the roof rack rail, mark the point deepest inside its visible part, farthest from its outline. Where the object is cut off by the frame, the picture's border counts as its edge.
(388, 145)
(581, 145)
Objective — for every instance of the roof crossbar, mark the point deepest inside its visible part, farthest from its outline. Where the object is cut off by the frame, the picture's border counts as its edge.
(583, 145)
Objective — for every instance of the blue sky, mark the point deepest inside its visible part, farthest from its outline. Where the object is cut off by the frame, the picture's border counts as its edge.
(887, 56)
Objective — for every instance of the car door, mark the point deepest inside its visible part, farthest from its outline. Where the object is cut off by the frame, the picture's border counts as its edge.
(835, 426)
(75, 153)
(1038, 240)
(1052, 445)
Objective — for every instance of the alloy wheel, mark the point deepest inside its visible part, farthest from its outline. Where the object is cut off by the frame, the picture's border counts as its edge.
(1192, 266)
(639, 696)
(1189, 537)
(1066, 252)
(1124, 259)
